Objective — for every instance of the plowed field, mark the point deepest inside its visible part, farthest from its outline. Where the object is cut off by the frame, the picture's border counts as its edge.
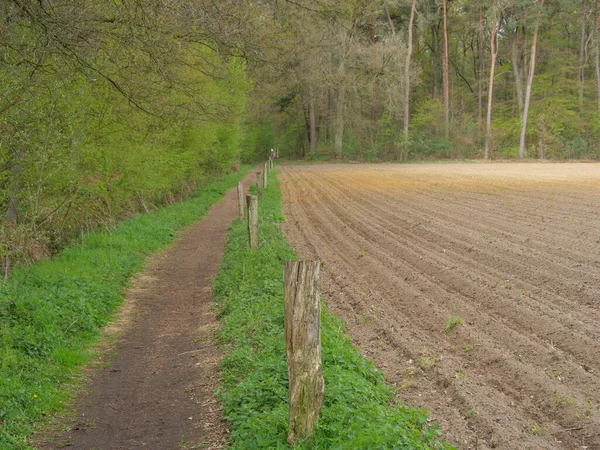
(476, 288)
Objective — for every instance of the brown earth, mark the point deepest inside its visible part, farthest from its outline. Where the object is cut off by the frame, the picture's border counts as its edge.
(156, 389)
(513, 250)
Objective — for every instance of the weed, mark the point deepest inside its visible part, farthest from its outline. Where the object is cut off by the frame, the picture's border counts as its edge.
(537, 430)
(409, 378)
(562, 402)
(471, 412)
(366, 319)
(583, 416)
(460, 373)
(183, 445)
(552, 373)
(359, 410)
(453, 321)
(468, 348)
(426, 361)
(520, 354)
(361, 254)
(66, 443)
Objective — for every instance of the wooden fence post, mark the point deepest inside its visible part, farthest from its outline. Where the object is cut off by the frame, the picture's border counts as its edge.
(252, 201)
(259, 185)
(302, 322)
(265, 176)
(241, 199)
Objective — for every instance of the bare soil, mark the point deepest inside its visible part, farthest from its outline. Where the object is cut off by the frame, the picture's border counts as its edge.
(510, 253)
(155, 387)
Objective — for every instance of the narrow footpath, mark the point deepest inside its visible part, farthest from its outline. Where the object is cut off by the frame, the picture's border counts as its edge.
(155, 389)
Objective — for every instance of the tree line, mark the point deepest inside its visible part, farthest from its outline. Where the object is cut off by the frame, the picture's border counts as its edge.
(411, 79)
(108, 109)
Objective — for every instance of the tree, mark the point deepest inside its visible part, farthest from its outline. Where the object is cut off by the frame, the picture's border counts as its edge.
(106, 109)
(480, 75)
(407, 78)
(494, 54)
(597, 51)
(582, 52)
(530, 82)
(445, 74)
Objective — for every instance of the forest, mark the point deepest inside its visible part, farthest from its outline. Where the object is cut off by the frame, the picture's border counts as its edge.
(108, 109)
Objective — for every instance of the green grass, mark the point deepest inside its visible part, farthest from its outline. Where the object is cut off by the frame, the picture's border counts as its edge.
(360, 410)
(52, 312)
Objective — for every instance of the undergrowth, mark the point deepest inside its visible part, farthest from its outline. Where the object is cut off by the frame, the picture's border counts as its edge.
(360, 410)
(52, 311)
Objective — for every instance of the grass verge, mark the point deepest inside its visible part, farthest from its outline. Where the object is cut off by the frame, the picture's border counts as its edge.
(360, 410)
(52, 312)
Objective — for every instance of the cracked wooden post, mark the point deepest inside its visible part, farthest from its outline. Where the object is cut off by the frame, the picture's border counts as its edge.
(252, 201)
(265, 171)
(259, 185)
(241, 199)
(302, 322)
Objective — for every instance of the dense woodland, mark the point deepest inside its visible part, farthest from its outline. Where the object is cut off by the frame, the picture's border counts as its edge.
(110, 108)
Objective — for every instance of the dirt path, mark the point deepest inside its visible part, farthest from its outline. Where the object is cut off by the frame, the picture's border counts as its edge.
(155, 392)
(510, 249)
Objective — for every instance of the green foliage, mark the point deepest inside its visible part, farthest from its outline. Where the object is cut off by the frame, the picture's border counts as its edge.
(110, 127)
(52, 311)
(360, 410)
(562, 122)
(257, 140)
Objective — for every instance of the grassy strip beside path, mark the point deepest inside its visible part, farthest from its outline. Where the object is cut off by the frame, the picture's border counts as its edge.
(52, 312)
(360, 410)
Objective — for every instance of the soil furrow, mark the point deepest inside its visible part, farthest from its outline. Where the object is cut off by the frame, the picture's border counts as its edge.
(521, 371)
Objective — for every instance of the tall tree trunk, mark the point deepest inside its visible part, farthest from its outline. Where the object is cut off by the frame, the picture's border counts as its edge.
(407, 80)
(306, 112)
(530, 82)
(328, 122)
(494, 54)
(338, 133)
(445, 73)
(515, 53)
(597, 52)
(389, 18)
(582, 56)
(435, 62)
(312, 119)
(480, 76)
(12, 209)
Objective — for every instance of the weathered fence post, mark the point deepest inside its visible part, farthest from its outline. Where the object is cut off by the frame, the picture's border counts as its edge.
(241, 199)
(259, 185)
(265, 176)
(302, 322)
(252, 201)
